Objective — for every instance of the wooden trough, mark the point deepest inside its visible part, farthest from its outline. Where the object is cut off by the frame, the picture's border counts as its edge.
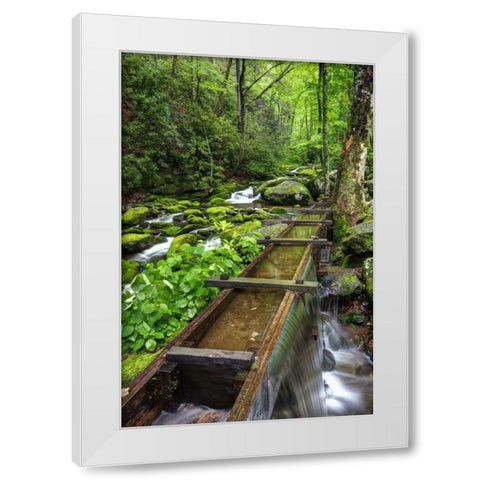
(195, 368)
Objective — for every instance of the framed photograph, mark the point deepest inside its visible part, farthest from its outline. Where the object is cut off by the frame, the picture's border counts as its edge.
(240, 226)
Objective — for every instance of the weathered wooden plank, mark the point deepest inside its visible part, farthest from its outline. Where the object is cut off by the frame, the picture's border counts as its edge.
(209, 356)
(299, 286)
(293, 241)
(308, 222)
(313, 211)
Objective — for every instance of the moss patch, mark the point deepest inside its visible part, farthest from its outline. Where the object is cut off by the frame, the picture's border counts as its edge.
(214, 211)
(135, 364)
(177, 242)
(359, 239)
(135, 242)
(134, 216)
(356, 317)
(367, 273)
(129, 270)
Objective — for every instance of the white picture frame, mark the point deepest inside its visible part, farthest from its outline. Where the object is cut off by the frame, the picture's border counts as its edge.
(98, 438)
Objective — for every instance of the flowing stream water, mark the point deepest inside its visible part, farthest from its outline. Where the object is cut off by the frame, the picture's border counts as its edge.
(243, 196)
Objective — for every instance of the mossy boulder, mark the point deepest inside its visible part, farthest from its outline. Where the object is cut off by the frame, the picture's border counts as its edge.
(342, 282)
(268, 184)
(129, 270)
(171, 230)
(367, 274)
(136, 242)
(134, 216)
(288, 193)
(312, 181)
(216, 211)
(278, 210)
(216, 201)
(177, 242)
(359, 239)
(356, 317)
(172, 208)
(196, 220)
(192, 211)
(185, 204)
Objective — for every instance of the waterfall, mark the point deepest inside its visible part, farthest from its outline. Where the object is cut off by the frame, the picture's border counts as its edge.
(243, 196)
(326, 376)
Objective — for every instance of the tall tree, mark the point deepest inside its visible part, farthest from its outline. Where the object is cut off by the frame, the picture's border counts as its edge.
(323, 75)
(349, 196)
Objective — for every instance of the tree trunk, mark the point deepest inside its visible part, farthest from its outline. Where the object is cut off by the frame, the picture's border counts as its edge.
(242, 112)
(325, 158)
(349, 195)
(218, 108)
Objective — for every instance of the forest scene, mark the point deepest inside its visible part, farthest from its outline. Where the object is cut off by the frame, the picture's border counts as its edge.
(247, 239)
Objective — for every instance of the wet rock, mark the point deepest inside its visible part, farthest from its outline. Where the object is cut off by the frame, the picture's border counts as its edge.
(359, 239)
(341, 282)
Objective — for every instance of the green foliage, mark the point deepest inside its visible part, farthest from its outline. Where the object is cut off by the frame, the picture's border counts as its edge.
(169, 294)
(181, 126)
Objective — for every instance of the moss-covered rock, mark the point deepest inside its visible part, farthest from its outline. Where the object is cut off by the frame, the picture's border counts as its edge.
(367, 274)
(356, 317)
(192, 211)
(196, 220)
(185, 204)
(215, 211)
(134, 216)
(278, 210)
(217, 201)
(171, 230)
(129, 270)
(268, 184)
(135, 230)
(288, 193)
(172, 208)
(136, 242)
(177, 242)
(359, 239)
(342, 282)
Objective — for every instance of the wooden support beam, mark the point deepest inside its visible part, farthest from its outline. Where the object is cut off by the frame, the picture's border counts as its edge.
(308, 222)
(208, 356)
(298, 285)
(313, 211)
(322, 204)
(293, 241)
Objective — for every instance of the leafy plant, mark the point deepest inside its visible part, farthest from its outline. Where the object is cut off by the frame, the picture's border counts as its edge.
(169, 294)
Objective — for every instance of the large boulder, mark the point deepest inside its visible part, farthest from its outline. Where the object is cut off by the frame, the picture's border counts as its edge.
(359, 239)
(269, 183)
(312, 179)
(134, 216)
(288, 192)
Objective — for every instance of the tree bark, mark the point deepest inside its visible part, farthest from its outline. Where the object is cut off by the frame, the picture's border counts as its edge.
(325, 158)
(218, 108)
(349, 195)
